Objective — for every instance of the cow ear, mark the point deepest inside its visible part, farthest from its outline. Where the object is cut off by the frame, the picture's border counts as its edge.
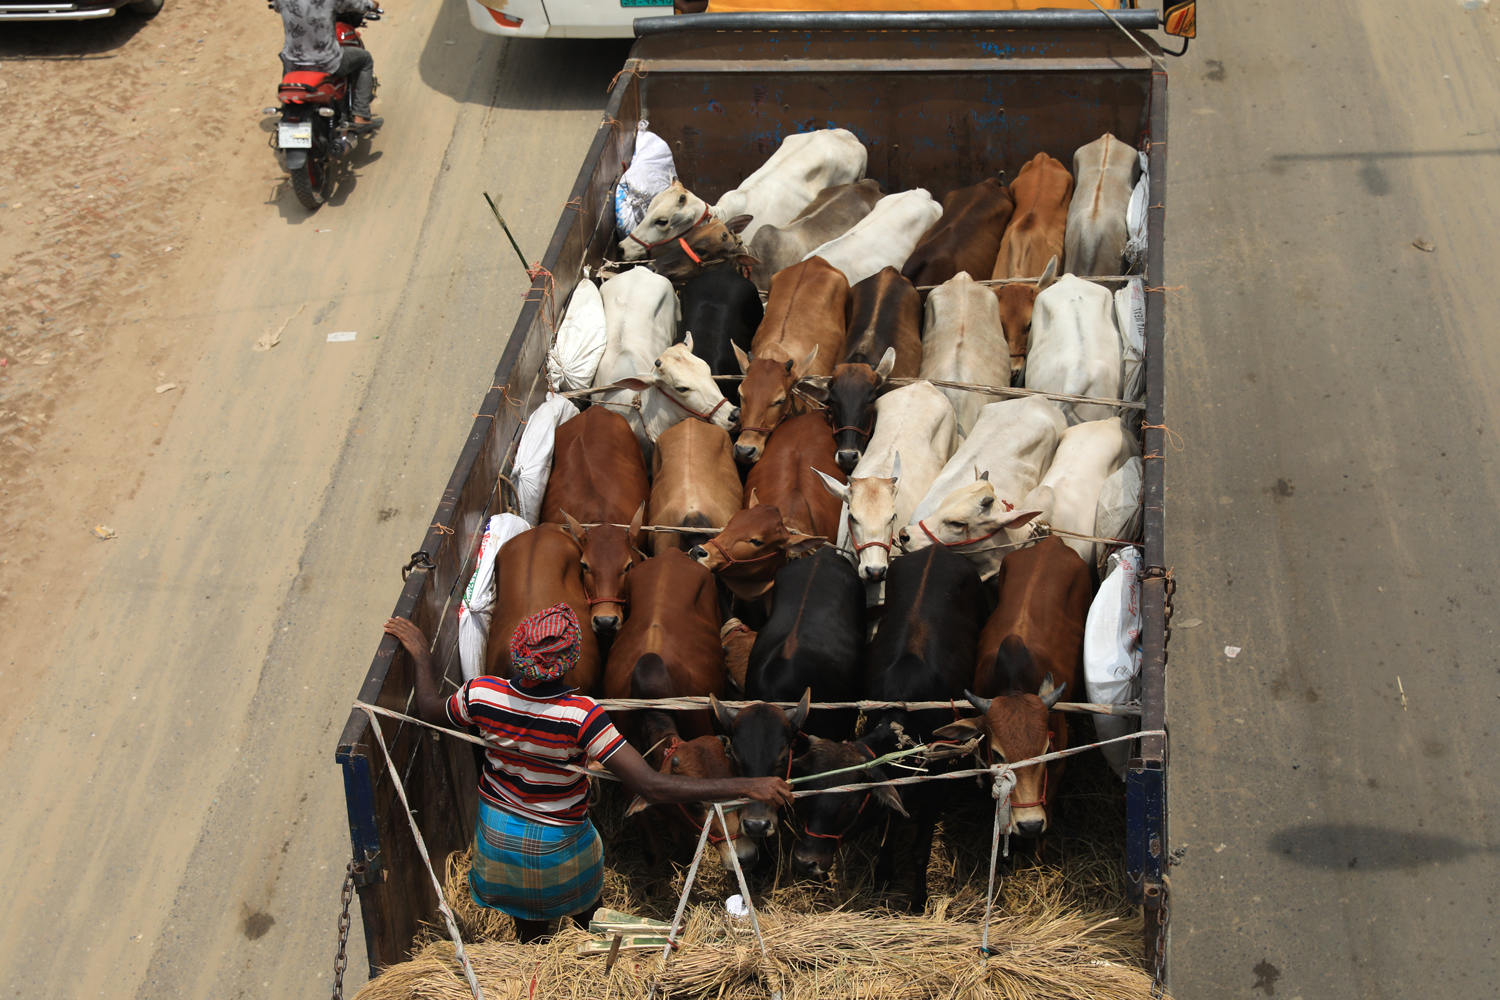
(984, 476)
(687, 341)
(637, 804)
(799, 714)
(801, 545)
(887, 795)
(887, 362)
(638, 383)
(1051, 695)
(737, 224)
(637, 537)
(813, 391)
(742, 358)
(574, 528)
(754, 501)
(833, 486)
(961, 730)
(1049, 274)
(746, 259)
(1021, 517)
(805, 365)
(723, 713)
(896, 470)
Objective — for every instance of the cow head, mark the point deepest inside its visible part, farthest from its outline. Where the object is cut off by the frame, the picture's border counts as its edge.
(872, 518)
(766, 399)
(607, 552)
(688, 383)
(670, 214)
(1015, 727)
(749, 550)
(705, 757)
(712, 244)
(851, 406)
(761, 737)
(1016, 302)
(831, 817)
(973, 520)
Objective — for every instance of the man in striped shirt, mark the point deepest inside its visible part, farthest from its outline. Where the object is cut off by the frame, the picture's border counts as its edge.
(536, 855)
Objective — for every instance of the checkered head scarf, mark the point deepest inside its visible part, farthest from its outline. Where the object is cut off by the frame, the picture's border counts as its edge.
(545, 646)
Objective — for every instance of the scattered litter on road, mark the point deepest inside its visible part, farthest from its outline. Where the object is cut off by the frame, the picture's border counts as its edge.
(104, 532)
(273, 338)
(77, 333)
(165, 387)
(322, 230)
(1426, 246)
(342, 336)
(1190, 623)
(1231, 651)
(1403, 692)
(114, 256)
(1220, 848)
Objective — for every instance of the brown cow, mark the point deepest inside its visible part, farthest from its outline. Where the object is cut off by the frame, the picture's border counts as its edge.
(966, 238)
(535, 570)
(830, 215)
(738, 639)
(801, 336)
(785, 478)
(751, 548)
(884, 312)
(1032, 247)
(704, 757)
(714, 243)
(1030, 655)
(597, 478)
(694, 483)
(1017, 301)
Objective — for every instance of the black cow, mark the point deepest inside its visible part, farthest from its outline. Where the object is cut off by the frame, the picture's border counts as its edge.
(809, 649)
(721, 308)
(924, 651)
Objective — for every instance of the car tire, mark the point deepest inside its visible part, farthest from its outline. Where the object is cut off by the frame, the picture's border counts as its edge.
(144, 8)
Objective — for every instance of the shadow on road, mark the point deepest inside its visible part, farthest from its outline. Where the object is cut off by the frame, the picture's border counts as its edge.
(23, 41)
(1363, 847)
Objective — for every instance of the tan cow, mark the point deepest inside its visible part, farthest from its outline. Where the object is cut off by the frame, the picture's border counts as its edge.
(694, 483)
(1042, 192)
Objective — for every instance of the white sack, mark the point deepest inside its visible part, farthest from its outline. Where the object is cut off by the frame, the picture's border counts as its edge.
(479, 599)
(1135, 217)
(1130, 318)
(651, 172)
(581, 337)
(534, 453)
(1112, 652)
(1119, 513)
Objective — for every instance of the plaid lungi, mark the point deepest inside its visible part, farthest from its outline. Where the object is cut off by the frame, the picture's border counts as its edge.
(534, 871)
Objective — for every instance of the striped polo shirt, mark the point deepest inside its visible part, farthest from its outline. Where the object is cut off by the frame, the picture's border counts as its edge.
(532, 732)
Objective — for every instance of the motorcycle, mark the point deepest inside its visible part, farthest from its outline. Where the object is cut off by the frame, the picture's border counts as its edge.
(317, 119)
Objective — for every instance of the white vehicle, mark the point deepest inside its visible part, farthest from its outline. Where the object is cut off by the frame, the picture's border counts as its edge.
(563, 18)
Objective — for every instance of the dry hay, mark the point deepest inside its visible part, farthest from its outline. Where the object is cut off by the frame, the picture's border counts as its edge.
(1062, 926)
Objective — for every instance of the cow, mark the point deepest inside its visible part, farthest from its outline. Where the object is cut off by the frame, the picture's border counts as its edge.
(1030, 655)
(964, 343)
(713, 246)
(738, 639)
(695, 483)
(1105, 171)
(1017, 302)
(850, 400)
(923, 651)
(786, 476)
(884, 238)
(915, 421)
(803, 165)
(1068, 495)
(966, 238)
(1075, 347)
(802, 336)
(830, 215)
(722, 310)
(809, 648)
(751, 548)
(668, 648)
(826, 820)
(701, 757)
(1041, 192)
(884, 313)
(599, 477)
(533, 571)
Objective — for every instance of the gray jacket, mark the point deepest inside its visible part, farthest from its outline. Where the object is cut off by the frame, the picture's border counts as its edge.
(311, 42)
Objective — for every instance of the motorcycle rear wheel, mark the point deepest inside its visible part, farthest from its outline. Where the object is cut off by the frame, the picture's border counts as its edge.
(313, 183)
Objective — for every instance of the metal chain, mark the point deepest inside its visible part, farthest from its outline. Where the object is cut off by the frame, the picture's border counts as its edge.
(1159, 973)
(341, 958)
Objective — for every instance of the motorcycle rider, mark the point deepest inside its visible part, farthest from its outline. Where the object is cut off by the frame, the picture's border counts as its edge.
(312, 45)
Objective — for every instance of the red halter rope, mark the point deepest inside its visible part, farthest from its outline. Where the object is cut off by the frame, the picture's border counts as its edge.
(836, 837)
(966, 541)
(865, 430)
(652, 246)
(730, 561)
(858, 548)
(989, 753)
(707, 418)
(673, 744)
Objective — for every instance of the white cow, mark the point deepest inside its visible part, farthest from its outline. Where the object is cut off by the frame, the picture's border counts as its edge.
(915, 421)
(641, 313)
(802, 165)
(1104, 173)
(1075, 346)
(963, 341)
(1068, 495)
(884, 238)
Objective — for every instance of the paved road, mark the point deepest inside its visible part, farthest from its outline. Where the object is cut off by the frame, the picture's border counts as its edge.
(171, 820)
(1334, 511)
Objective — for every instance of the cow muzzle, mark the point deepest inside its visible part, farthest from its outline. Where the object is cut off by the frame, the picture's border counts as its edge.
(847, 458)
(759, 826)
(747, 454)
(699, 554)
(809, 865)
(606, 624)
(872, 573)
(1031, 828)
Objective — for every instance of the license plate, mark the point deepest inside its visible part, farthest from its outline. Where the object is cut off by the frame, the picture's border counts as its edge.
(294, 135)
(645, 3)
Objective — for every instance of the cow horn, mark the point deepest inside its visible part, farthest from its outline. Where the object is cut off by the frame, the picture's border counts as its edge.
(1051, 696)
(983, 704)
